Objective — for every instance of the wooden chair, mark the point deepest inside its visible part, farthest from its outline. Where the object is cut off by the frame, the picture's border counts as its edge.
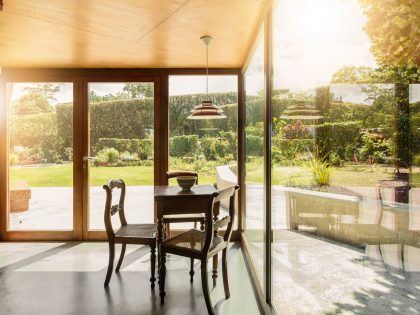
(203, 245)
(168, 219)
(143, 234)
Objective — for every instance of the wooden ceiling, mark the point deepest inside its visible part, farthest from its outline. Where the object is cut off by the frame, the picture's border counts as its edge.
(126, 33)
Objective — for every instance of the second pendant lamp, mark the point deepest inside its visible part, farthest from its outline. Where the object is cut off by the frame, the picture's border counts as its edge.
(206, 110)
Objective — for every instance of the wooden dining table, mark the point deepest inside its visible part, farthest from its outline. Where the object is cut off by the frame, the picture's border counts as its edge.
(172, 200)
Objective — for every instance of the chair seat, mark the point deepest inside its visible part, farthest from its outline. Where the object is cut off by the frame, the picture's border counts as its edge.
(174, 218)
(192, 241)
(136, 232)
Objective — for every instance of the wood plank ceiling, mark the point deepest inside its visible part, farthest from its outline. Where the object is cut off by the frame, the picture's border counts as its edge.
(126, 33)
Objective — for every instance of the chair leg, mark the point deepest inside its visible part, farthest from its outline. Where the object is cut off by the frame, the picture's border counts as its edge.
(195, 225)
(225, 273)
(202, 225)
(121, 258)
(215, 267)
(192, 271)
(152, 266)
(205, 284)
(162, 275)
(110, 263)
(167, 231)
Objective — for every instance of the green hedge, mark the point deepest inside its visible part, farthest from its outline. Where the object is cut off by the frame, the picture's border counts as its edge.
(340, 138)
(180, 107)
(142, 147)
(254, 146)
(181, 146)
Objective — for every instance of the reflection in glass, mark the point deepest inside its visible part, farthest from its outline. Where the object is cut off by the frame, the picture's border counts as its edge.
(254, 158)
(345, 205)
(208, 147)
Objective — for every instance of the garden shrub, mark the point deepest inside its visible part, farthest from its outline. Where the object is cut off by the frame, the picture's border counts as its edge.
(254, 145)
(145, 149)
(336, 137)
(208, 145)
(13, 159)
(107, 156)
(186, 145)
(120, 145)
(286, 150)
(375, 148)
(180, 107)
(296, 130)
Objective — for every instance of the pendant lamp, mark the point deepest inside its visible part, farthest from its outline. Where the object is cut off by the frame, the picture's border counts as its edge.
(206, 110)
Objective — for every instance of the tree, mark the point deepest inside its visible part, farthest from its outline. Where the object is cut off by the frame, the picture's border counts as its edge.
(393, 27)
(47, 90)
(31, 104)
(139, 90)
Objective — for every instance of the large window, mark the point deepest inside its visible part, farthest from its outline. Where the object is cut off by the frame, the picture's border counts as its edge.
(209, 147)
(345, 205)
(254, 158)
(121, 146)
(40, 156)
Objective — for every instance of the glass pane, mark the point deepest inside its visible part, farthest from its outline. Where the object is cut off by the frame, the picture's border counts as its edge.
(254, 159)
(121, 147)
(345, 205)
(209, 146)
(41, 156)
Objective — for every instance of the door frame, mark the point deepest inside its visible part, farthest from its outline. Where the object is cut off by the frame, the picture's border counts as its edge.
(54, 234)
(159, 154)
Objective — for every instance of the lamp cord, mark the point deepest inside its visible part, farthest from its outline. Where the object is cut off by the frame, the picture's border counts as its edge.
(207, 71)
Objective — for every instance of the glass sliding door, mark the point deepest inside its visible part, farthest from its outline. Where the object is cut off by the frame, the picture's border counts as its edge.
(121, 146)
(254, 159)
(208, 147)
(345, 205)
(40, 123)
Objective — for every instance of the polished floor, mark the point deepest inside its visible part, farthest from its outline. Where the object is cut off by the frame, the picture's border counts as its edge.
(67, 278)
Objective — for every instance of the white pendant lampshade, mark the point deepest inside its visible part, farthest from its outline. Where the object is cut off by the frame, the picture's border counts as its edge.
(206, 110)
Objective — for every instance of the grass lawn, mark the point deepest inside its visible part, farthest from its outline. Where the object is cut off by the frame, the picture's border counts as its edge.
(62, 175)
(347, 176)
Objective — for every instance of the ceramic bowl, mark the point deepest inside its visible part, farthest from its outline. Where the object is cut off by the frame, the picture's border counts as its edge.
(186, 182)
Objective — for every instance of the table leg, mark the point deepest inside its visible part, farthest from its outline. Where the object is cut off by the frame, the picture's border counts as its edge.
(159, 241)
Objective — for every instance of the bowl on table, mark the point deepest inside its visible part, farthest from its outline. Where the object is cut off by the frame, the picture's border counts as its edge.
(186, 182)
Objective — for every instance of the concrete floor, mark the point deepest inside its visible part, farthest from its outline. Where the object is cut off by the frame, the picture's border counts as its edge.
(67, 278)
(315, 276)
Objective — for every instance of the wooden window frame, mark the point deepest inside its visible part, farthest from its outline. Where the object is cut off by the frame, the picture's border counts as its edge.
(80, 79)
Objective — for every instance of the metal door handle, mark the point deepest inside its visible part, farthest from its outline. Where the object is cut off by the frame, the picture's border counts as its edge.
(88, 158)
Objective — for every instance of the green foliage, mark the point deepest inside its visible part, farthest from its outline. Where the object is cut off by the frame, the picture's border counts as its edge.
(107, 156)
(375, 148)
(30, 104)
(254, 145)
(121, 145)
(295, 130)
(145, 149)
(124, 119)
(180, 107)
(13, 159)
(139, 90)
(47, 90)
(342, 138)
(396, 41)
(180, 146)
(320, 171)
(286, 151)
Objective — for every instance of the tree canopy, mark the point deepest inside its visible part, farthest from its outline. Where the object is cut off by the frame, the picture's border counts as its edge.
(394, 29)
